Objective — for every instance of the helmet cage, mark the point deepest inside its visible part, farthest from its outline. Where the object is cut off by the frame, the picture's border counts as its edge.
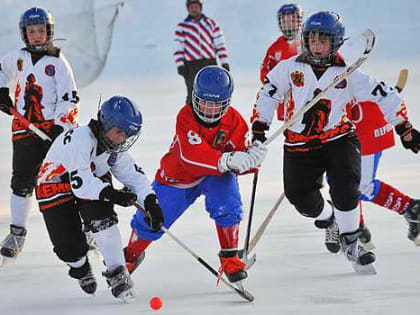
(36, 16)
(290, 19)
(209, 111)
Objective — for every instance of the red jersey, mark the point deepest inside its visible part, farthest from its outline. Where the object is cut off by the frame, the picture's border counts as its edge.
(373, 131)
(196, 149)
(281, 49)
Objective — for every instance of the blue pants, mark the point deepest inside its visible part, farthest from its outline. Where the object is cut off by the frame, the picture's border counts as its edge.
(222, 197)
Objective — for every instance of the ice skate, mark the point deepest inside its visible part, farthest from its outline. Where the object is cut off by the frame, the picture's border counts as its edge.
(361, 259)
(332, 239)
(84, 277)
(12, 245)
(365, 238)
(232, 266)
(121, 284)
(412, 215)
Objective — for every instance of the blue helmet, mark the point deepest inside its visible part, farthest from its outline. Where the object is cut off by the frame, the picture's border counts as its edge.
(212, 91)
(324, 23)
(289, 27)
(36, 16)
(121, 114)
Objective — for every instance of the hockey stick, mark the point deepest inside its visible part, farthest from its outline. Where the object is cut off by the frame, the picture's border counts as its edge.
(243, 293)
(29, 126)
(248, 229)
(402, 80)
(370, 42)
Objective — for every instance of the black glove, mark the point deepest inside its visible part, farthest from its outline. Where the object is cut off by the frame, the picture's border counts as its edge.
(154, 216)
(182, 71)
(226, 66)
(119, 197)
(258, 131)
(410, 137)
(5, 101)
(55, 131)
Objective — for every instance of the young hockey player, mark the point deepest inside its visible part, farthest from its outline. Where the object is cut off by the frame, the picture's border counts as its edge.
(209, 149)
(38, 81)
(74, 182)
(323, 139)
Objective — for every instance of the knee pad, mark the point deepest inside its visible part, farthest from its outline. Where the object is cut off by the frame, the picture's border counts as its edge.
(23, 186)
(102, 224)
(72, 253)
(24, 192)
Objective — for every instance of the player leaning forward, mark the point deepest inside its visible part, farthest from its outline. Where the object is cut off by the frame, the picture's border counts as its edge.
(41, 83)
(209, 149)
(75, 180)
(323, 139)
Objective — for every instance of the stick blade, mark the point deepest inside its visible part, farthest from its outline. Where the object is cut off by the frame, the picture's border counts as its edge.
(402, 80)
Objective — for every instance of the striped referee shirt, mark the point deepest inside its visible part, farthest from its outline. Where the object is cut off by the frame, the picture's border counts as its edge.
(199, 39)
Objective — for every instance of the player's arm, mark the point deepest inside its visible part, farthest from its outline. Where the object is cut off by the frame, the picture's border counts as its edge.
(8, 77)
(365, 87)
(220, 45)
(179, 50)
(276, 85)
(67, 108)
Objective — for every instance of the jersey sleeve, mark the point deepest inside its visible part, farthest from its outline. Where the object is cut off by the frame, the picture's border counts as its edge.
(179, 46)
(8, 70)
(67, 108)
(275, 87)
(268, 63)
(219, 43)
(127, 172)
(367, 88)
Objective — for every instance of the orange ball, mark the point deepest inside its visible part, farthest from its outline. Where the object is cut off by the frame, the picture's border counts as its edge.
(155, 303)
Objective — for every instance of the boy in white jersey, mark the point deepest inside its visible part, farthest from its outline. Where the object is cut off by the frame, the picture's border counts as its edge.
(75, 181)
(38, 81)
(322, 141)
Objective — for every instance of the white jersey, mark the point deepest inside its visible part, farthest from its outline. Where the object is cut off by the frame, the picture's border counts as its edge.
(327, 120)
(44, 91)
(73, 168)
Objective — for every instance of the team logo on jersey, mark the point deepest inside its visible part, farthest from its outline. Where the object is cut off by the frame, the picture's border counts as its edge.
(342, 84)
(277, 55)
(20, 64)
(297, 78)
(112, 159)
(220, 137)
(50, 70)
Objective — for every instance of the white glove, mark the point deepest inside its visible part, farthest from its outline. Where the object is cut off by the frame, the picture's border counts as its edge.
(236, 161)
(258, 151)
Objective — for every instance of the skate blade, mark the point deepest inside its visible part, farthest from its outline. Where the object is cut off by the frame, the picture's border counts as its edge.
(369, 245)
(364, 269)
(6, 262)
(127, 296)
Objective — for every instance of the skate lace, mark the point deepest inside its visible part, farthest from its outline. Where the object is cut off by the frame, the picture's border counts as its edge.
(13, 242)
(230, 265)
(332, 234)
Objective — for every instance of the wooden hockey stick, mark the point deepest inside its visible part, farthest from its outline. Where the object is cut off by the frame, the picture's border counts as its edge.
(240, 290)
(370, 42)
(402, 80)
(29, 126)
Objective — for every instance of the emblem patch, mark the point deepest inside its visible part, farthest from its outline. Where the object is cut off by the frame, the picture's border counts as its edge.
(297, 78)
(50, 70)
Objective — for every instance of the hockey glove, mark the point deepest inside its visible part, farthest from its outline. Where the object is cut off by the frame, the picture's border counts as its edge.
(5, 101)
(55, 131)
(119, 197)
(236, 161)
(258, 131)
(226, 66)
(258, 151)
(410, 137)
(154, 216)
(182, 71)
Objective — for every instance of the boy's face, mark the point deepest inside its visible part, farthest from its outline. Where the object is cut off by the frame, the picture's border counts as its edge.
(194, 9)
(319, 44)
(37, 34)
